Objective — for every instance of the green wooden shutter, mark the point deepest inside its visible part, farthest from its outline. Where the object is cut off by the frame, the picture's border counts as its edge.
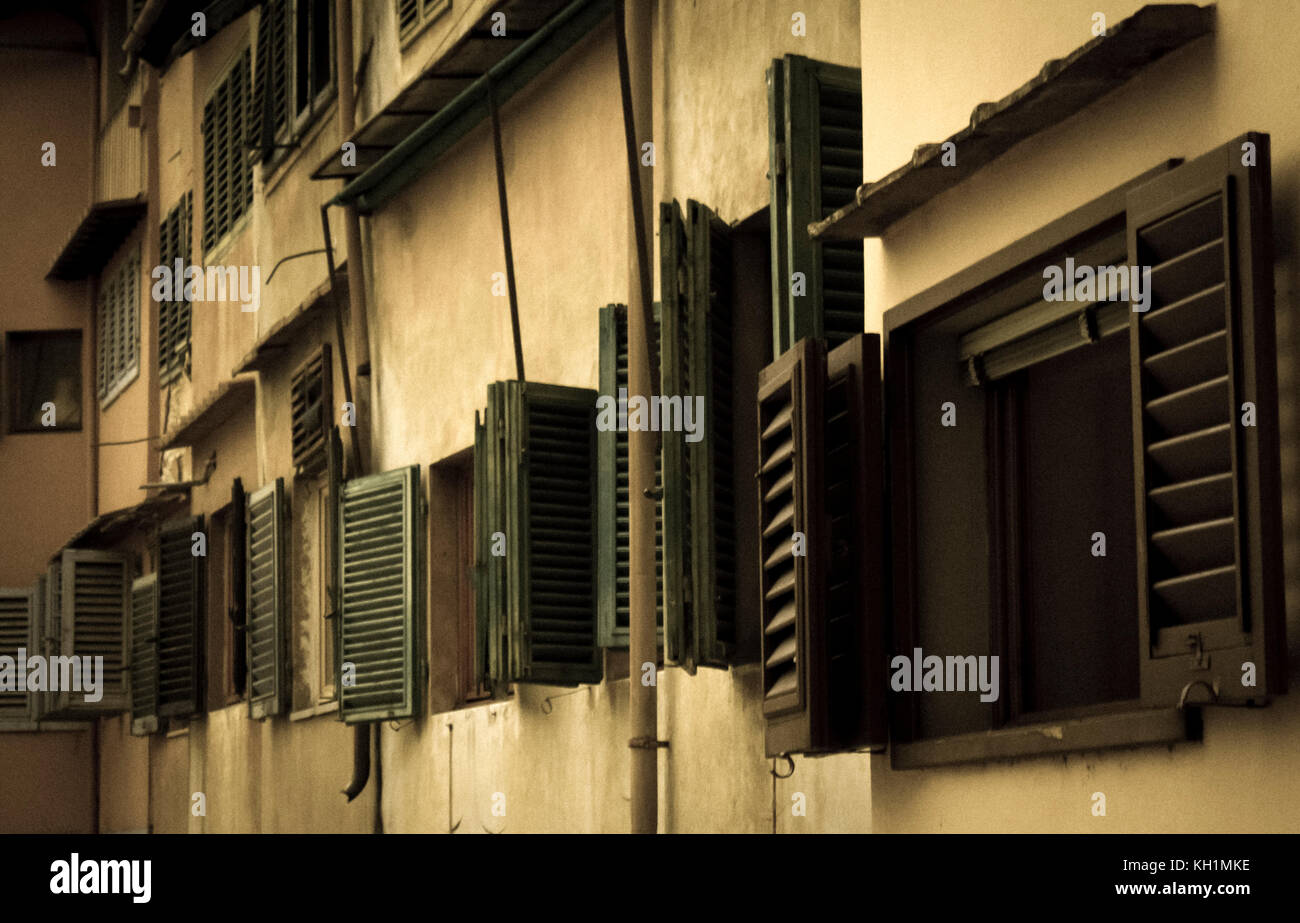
(269, 104)
(267, 631)
(310, 402)
(815, 166)
(536, 450)
(790, 495)
(612, 478)
(174, 315)
(48, 629)
(1208, 487)
(93, 623)
(675, 371)
(16, 631)
(144, 655)
(180, 619)
(168, 244)
(713, 503)
(381, 590)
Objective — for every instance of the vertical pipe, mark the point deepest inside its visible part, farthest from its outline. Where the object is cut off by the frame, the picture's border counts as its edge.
(360, 322)
(505, 228)
(643, 640)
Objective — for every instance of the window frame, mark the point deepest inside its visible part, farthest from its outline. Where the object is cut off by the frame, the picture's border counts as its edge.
(113, 304)
(1112, 724)
(427, 12)
(10, 408)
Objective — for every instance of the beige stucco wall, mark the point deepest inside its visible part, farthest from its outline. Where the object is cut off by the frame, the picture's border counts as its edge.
(927, 65)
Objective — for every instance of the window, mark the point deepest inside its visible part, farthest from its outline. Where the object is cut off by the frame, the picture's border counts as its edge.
(44, 381)
(267, 600)
(1081, 520)
(381, 597)
(225, 587)
(311, 400)
(613, 532)
(181, 602)
(535, 536)
(174, 316)
(820, 485)
(119, 330)
(452, 621)
(414, 15)
(295, 70)
(815, 166)
(227, 174)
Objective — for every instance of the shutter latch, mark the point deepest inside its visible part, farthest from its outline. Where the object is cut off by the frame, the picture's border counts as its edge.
(1200, 659)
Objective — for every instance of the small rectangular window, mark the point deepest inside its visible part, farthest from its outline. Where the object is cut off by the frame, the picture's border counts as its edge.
(44, 381)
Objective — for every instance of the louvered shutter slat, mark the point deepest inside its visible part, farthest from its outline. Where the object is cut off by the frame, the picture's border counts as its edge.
(311, 408)
(16, 631)
(95, 600)
(1207, 485)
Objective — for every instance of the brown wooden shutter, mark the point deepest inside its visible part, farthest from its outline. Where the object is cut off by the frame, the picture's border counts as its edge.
(266, 586)
(855, 655)
(16, 631)
(1208, 488)
(789, 503)
(95, 601)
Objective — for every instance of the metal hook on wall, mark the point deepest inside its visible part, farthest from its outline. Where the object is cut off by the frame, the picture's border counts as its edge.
(789, 761)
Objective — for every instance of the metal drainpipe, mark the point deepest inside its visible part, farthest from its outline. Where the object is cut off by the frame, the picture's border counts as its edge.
(643, 632)
(361, 741)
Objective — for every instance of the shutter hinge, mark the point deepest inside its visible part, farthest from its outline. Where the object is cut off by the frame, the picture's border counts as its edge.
(780, 158)
(647, 743)
(1200, 659)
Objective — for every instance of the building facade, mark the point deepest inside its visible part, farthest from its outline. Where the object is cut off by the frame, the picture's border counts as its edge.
(335, 520)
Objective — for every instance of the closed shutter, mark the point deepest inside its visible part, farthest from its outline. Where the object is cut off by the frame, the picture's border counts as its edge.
(267, 607)
(180, 619)
(227, 174)
(49, 628)
(174, 315)
(95, 601)
(269, 109)
(815, 166)
(310, 401)
(408, 16)
(539, 459)
(1208, 486)
(699, 489)
(381, 581)
(105, 328)
(792, 585)
(15, 632)
(612, 478)
(144, 655)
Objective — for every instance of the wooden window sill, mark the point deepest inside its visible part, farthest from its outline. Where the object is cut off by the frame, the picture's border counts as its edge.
(1141, 727)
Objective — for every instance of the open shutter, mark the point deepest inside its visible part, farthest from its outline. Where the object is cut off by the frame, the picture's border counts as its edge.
(549, 476)
(95, 602)
(381, 580)
(144, 655)
(713, 502)
(311, 399)
(815, 166)
(267, 607)
(675, 369)
(854, 655)
(535, 456)
(49, 633)
(790, 495)
(180, 619)
(612, 478)
(1208, 489)
(238, 612)
(16, 632)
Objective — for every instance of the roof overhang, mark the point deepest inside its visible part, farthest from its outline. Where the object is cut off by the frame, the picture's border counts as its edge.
(108, 528)
(171, 35)
(98, 235)
(1063, 87)
(476, 69)
(215, 409)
